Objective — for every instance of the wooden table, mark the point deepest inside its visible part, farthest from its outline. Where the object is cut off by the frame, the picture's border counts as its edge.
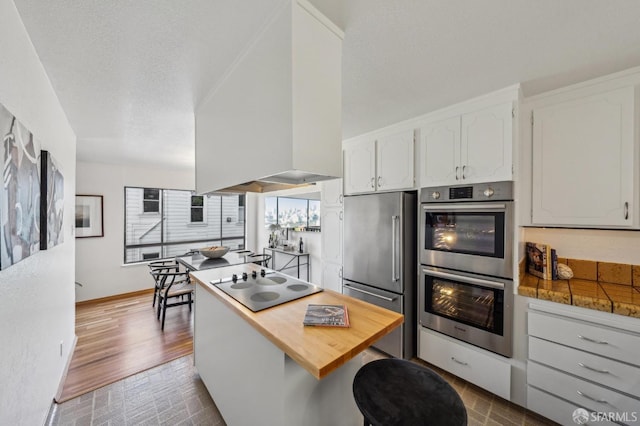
(293, 256)
(267, 368)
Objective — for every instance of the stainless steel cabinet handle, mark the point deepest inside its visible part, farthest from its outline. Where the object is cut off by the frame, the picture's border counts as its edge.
(388, 299)
(457, 172)
(597, 370)
(588, 339)
(463, 279)
(341, 215)
(601, 401)
(379, 181)
(373, 182)
(340, 272)
(341, 198)
(459, 362)
(626, 210)
(394, 239)
(463, 176)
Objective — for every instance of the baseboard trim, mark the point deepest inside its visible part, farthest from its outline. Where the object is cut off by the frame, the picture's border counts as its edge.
(115, 297)
(66, 369)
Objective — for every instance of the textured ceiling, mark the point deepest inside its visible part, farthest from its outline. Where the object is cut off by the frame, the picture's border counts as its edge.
(128, 73)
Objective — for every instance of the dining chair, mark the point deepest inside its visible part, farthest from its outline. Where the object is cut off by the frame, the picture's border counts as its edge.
(170, 265)
(173, 285)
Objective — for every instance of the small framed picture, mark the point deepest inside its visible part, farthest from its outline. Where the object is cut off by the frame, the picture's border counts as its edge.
(89, 216)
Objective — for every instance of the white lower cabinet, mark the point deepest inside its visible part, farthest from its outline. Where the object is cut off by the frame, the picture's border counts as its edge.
(580, 364)
(589, 395)
(559, 410)
(332, 276)
(485, 369)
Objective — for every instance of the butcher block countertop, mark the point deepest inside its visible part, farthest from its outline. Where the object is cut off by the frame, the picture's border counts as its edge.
(319, 350)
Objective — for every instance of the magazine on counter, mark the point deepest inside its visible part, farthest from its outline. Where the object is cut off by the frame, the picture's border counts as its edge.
(539, 260)
(327, 315)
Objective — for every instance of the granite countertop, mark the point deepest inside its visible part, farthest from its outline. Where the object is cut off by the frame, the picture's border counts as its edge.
(602, 286)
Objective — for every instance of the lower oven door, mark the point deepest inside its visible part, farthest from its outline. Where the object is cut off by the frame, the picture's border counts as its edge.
(469, 307)
(393, 342)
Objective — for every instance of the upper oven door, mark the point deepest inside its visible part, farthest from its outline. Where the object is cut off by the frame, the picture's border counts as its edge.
(468, 236)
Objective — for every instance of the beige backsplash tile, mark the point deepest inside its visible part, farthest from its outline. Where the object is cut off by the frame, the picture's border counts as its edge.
(584, 269)
(589, 294)
(636, 275)
(616, 273)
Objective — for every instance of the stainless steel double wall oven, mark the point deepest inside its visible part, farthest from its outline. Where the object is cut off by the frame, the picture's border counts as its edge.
(466, 255)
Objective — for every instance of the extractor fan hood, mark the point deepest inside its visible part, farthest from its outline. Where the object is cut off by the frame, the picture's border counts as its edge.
(274, 120)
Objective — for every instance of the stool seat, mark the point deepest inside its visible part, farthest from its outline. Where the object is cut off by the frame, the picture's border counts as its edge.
(399, 392)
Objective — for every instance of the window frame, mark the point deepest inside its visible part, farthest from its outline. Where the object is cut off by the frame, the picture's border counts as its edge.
(162, 245)
(203, 208)
(307, 227)
(146, 200)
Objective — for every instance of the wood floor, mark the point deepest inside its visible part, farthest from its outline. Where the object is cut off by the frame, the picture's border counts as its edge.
(118, 337)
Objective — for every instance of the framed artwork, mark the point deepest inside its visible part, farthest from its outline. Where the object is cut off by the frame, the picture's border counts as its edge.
(51, 202)
(20, 191)
(89, 216)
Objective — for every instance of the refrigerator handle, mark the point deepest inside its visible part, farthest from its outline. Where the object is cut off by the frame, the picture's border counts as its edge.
(394, 243)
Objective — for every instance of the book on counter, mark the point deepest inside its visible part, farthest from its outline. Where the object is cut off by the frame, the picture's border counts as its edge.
(327, 316)
(540, 260)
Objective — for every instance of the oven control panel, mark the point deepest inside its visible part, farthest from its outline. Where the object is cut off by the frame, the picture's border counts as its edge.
(493, 191)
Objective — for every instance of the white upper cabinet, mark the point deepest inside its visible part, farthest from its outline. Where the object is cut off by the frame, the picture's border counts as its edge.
(332, 193)
(359, 166)
(394, 163)
(384, 163)
(583, 159)
(486, 145)
(440, 152)
(468, 148)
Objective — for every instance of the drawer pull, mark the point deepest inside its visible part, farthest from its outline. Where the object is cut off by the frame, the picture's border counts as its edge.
(600, 401)
(600, 342)
(459, 362)
(597, 370)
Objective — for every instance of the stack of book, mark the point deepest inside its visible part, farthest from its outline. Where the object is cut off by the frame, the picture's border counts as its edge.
(542, 261)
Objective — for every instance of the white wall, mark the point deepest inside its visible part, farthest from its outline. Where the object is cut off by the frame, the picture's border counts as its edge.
(37, 310)
(100, 261)
(590, 244)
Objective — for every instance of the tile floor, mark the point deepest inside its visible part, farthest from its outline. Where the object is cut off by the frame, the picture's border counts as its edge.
(173, 394)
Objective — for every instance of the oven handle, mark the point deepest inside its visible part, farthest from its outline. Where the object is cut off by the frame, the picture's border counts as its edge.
(388, 299)
(463, 206)
(468, 280)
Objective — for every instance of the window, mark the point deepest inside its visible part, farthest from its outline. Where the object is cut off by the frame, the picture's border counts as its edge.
(170, 232)
(151, 201)
(299, 213)
(197, 208)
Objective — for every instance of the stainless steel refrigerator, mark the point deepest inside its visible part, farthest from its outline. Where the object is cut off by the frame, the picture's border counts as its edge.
(380, 237)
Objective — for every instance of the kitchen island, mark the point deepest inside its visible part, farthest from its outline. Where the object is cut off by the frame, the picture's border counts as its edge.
(267, 368)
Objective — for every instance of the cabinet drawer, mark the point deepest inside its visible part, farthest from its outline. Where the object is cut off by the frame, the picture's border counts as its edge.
(616, 375)
(605, 341)
(487, 371)
(586, 394)
(557, 409)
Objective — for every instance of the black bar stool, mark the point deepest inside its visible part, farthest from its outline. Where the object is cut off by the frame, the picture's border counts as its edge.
(399, 392)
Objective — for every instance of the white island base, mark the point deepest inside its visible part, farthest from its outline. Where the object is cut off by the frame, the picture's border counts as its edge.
(253, 382)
